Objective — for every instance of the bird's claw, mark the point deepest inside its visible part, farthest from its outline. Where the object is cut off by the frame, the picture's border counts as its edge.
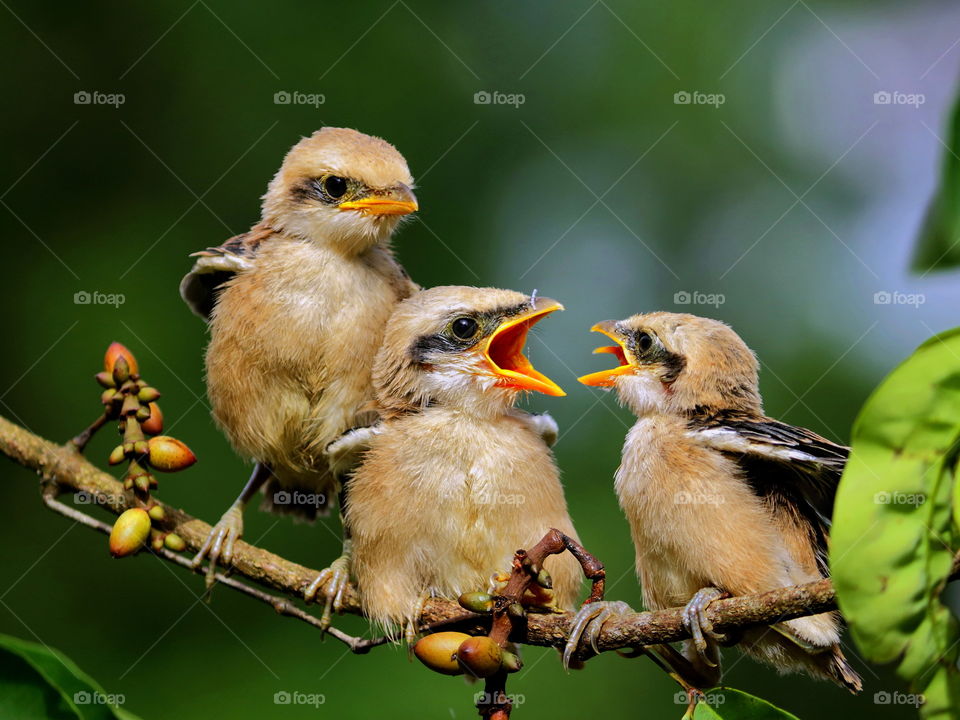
(220, 542)
(334, 580)
(698, 625)
(588, 623)
(412, 628)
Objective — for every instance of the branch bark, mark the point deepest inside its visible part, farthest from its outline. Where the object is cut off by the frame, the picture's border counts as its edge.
(63, 469)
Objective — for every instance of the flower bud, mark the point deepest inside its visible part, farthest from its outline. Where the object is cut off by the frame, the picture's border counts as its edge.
(480, 656)
(115, 351)
(143, 414)
(438, 651)
(105, 379)
(154, 424)
(142, 483)
(107, 396)
(511, 662)
(117, 456)
(148, 395)
(121, 370)
(141, 447)
(543, 579)
(516, 611)
(130, 532)
(174, 542)
(478, 602)
(167, 454)
(157, 513)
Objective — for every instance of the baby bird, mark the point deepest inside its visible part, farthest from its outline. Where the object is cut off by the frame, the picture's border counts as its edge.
(455, 479)
(296, 308)
(721, 499)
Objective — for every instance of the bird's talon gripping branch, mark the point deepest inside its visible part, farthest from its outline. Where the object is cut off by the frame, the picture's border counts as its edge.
(588, 623)
(334, 581)
(698, 625)
(220, 543)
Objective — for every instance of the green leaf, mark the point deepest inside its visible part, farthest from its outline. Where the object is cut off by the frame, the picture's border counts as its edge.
(939, 245)
(894, 534)
(38, 683)
(725, 703)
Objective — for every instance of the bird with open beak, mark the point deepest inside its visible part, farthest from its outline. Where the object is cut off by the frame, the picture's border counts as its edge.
(455, 478)
(296, 309)
(721, 499)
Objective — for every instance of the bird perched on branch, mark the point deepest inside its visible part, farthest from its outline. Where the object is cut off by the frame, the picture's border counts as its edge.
(721, 499)
(296, 308)
(455, 479)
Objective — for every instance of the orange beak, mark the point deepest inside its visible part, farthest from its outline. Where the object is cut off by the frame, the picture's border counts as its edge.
(398, 200)
(607, 378)
(504, 351)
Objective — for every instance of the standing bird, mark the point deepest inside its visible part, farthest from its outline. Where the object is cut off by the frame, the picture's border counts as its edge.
(721, 499)
(296, 308)
(455, 479)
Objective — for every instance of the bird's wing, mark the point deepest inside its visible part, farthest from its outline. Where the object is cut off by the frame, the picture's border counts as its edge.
(791, 467)
(216, 265)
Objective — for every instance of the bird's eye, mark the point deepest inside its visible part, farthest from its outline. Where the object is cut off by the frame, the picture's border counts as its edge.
(644, 342)
(464, 328)
(335, 186)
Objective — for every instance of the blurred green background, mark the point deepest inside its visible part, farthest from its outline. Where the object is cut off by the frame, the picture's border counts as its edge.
(783, 198)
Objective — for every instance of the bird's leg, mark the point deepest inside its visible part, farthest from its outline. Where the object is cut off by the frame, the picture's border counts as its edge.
(588, 623)
(410, 631)
(698, 625)
(334, 580)
(219, 543)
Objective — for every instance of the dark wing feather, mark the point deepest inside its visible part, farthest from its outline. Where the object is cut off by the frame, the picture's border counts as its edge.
(216, 265)
(792, 468)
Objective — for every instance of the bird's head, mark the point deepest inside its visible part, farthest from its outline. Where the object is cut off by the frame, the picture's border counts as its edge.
(678, 364)
(340, 187)
(460, 347)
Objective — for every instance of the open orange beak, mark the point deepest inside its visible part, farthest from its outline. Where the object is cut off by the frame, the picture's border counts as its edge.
(398, 200)
(504, 351)
(606, 378)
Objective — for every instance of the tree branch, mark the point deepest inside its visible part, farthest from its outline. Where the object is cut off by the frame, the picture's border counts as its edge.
(64, 469)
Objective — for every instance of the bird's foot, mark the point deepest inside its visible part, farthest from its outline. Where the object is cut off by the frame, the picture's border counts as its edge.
(698, 625)
(220, 542)
(412, 627)
(334, 580)
(588, 623)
